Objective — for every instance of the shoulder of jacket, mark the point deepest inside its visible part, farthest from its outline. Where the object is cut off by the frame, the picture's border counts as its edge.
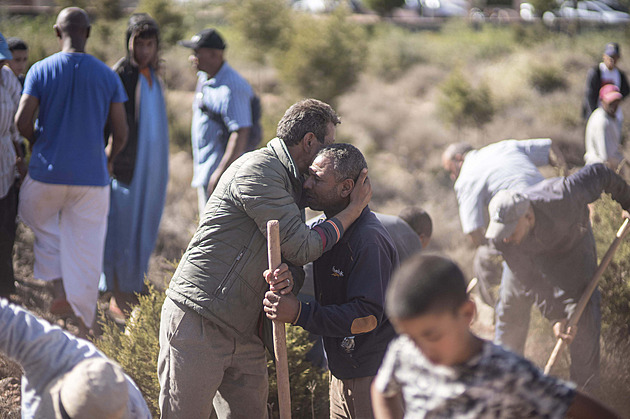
(261, 162)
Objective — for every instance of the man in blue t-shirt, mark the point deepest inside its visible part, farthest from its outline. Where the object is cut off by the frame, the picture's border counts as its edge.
(65, 197)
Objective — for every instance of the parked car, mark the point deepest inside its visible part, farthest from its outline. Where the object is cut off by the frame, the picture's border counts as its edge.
(592, 11)
(438, 8)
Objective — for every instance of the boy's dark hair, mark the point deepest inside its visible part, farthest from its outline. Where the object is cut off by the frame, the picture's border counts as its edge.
(16, 44)
(418, 219)
(142, 25)
(425, 284)
(347, 160)
(308, 115)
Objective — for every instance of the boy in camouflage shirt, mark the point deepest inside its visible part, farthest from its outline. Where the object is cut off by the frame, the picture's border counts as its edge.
(438, 368)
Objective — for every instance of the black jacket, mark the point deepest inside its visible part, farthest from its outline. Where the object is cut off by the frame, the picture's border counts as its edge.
(125, 161)
(350, 284)
(593, 84)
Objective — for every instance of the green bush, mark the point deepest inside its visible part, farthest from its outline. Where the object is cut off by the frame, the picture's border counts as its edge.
(615, 289)
(393, 50)
(464, 105)
(325, 56)
(169, 19)
(383, 7)
(309, 384)
(265, 24)
(136, 348)
(547, 78)
(108, 9)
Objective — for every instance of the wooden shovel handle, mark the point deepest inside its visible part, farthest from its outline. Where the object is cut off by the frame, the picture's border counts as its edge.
(279, 333)
(588, 292)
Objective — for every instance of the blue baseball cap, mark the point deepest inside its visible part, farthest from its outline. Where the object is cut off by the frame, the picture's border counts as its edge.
(612, 49)
(5, 53)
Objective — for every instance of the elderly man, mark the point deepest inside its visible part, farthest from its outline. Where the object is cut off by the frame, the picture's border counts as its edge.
(545, 236)
(65, 197)
(222, 113)
(604, 73)
(350, 284)
(209, 342)
(603, 131)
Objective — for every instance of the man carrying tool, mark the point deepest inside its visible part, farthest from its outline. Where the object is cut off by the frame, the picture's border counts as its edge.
(478, 176)
(210, 350)
(545, 236)
(350, 284)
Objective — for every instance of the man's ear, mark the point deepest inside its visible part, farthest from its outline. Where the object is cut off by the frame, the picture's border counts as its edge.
(308, 141)
(468, 310)
(57, 31)
(89, 28)
(346, 188)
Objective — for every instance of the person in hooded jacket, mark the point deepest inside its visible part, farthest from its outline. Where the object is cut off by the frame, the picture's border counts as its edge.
(140, 171)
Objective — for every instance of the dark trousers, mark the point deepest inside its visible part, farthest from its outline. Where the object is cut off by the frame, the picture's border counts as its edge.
(512, 322)
(8, 213)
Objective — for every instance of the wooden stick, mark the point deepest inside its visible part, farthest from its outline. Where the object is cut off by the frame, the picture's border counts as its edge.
(279, 334)
(579, 309)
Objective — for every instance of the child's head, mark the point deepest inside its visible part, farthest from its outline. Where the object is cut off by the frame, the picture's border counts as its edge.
(143, 39)
(19, 50)
(420, 221)
(427, 301)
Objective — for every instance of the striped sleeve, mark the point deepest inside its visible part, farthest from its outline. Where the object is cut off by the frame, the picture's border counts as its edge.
(330, 231)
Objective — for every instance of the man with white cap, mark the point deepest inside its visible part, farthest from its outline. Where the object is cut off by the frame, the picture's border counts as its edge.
(65, 377)
(545, 236)
(603, 130)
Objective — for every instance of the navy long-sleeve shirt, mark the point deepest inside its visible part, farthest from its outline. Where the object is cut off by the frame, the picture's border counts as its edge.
(557, 259)
(350, 283)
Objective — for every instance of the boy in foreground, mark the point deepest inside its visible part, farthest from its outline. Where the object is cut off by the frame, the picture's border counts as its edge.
(442, 370)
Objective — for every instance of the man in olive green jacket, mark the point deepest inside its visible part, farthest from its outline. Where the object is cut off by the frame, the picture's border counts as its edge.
(211, 354)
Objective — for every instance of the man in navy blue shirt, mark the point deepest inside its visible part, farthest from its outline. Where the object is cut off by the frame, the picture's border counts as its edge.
(545, 235)
(350, 284)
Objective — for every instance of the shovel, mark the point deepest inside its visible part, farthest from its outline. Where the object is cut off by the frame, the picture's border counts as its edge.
(575, 318)
(279, 334)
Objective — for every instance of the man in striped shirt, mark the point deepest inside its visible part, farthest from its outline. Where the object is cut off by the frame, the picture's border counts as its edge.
(222, 116)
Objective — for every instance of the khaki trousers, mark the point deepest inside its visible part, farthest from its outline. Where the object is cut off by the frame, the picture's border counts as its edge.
(202, 365)
(351, 398)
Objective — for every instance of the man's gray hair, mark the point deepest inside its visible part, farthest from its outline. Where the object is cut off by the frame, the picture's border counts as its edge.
(347, 160)
(454, 149)
(308, 115)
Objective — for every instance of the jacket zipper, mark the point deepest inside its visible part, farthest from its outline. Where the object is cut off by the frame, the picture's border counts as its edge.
(225, 278)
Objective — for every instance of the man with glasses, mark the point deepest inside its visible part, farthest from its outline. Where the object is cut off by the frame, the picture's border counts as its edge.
(222, 115)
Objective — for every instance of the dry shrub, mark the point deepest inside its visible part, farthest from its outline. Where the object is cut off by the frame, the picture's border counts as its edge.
(462, 104)
(309, 384)
(546, 78)
(615, 290)
(136, 348)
